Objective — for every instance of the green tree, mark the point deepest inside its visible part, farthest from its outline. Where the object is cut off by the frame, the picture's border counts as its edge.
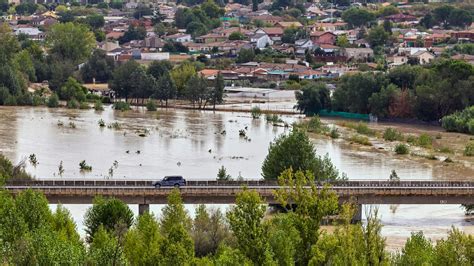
(456, 249)
(158, 68)
(105, 249)
(380, 102)
(245, 219)
(217, 93)
(313, 204)
(417, 251)
(181, 75)
(460, 18)
(178, 246)
(143, 241)
(377, 36)
(72, 89)
(342, 41)
(34, 209)
(121, 81)
(442, 13)
(166, 89)
(209, 231)
(99, 67)
(313, 98)
(198, 92)
(284, 239)
(358, 17)
(133, 33)
(95, 21)
(236, 35)
(111, 214)
(70, 41)
(245, 55)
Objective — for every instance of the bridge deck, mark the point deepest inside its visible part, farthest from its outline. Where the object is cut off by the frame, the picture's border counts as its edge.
(142, 192)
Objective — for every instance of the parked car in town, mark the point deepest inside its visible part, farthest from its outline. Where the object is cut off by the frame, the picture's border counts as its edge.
(170, 181)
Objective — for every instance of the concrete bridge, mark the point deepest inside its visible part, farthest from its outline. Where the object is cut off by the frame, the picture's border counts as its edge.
(142, 192)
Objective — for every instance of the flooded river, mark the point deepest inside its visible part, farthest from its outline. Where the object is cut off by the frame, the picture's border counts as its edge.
(149, 145)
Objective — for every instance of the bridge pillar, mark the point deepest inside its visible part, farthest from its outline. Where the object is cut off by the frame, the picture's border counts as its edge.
(142, 208)
(357, 214)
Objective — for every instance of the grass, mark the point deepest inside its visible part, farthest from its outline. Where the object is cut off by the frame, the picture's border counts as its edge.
(122, 106)
(469, 149)
(274, 118)
(401, 149)
(391, 134)
(363, 140)
(444, 149)
(424, 140)
(360, 128)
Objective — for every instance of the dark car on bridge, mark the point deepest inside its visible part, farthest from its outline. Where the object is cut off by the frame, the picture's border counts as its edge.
(170, 181)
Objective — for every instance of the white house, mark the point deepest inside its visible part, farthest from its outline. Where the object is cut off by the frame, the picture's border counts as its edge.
(260, 40)
(179, 37)
(303, 45)
(424, 57)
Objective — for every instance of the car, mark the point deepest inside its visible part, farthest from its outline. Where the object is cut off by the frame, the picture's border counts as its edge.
(170, 181)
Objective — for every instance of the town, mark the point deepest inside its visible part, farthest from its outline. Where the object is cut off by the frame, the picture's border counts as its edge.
(219, 132)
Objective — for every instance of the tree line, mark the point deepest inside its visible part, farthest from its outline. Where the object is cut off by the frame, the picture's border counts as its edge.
(246, 234)
(425, 93)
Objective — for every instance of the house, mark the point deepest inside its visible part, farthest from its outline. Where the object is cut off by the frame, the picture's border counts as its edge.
(260, 40)
(358, 54)
(464, 57)
(210, 38)
(310, 74)
(463, 35)
(32, 33)
(268, 19)
(398, 18)
(397, 60)
(179, 37)
(274, 33)
(108, 45)
(114, 35)
(289, 24)
(303, 45)
(327, 26)
(322, 37)
(423, 57)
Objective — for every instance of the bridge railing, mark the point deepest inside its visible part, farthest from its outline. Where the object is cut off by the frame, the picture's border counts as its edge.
(249, 183)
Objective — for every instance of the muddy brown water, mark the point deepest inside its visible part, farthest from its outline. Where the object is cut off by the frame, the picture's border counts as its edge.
(195, 144)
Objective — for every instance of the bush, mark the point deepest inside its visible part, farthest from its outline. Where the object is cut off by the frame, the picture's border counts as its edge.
(98, 106)
(122, 106)
(73, 104)
(411, 139)
(273, 118)
(256, 112)
(53, 100)
(391, 134)
(315, 125)
(469, 149)
(101, 123)
(84, 105)
(361, 140)
(361, 128)
(402, 149)
(10, 100)
(150, 105)
(424, 140)
(37, 100)
(460, 121)
(334, 133)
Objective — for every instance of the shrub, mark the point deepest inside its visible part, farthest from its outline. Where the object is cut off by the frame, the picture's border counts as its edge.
(37, 100)
(98, 106)
(53, 100)
(150, 105)
(101, 123)
(84, 105)
(73, 104)
(315, 125)
(10, 100)
(122, 106)
(334, 133)
(361, 128)
(460, 121)
(401, 149)
(424, 140)
(469, 149)
(445, 150)
(411, 139)
(222, 175)
(391, 134)
(256, 112)
(273, 118)
(83, 166)
(361, 140)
